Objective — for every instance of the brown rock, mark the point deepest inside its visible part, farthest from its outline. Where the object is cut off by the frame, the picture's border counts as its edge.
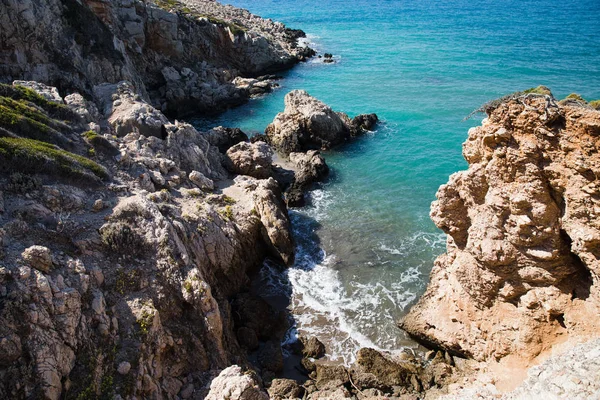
(313, 348)
(270, 356)
(522, 266)
(285, 389)
(330, 376)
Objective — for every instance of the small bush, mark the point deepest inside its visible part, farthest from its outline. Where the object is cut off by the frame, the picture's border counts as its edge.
(595, 104)
(576, 97)
(33, 156)
(23, 183)
(122, 239)
(227, 213)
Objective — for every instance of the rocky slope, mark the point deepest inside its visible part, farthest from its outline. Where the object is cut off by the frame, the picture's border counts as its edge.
(181, 56)
(127, 246)
(521, 272)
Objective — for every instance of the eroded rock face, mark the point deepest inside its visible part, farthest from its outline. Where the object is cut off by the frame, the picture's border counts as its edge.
(307, 123)
(181, 56)
(521, 270)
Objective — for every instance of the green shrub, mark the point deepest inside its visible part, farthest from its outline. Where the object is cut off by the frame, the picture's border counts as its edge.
(595, 104)
(122, 239)
(33, 156)
(543, 90)
(575, 96)
(55, 110)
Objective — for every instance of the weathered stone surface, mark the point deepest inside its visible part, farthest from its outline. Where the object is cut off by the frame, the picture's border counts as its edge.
(39, 257)
(521, 270)
(310, 167)
(183, 63)
(198, 179)
(253, 159)
(48, 92)
(233, 384)
(308, 123)
(285, 389)
(313, 347)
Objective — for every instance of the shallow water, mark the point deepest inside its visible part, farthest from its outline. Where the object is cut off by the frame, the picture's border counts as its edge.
(366, 244)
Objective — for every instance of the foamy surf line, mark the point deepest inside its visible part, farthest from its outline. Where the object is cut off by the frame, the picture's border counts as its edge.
(345, 317)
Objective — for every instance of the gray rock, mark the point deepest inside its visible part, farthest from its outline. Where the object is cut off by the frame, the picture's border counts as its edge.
(233, 384)
(124, 368)
(198, 179)
(307, 123)
(252, 159)
(38, 257)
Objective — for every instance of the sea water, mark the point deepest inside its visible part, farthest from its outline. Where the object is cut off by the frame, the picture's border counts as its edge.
(365, 243)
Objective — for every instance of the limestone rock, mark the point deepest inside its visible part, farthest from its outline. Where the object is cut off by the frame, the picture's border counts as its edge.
(39, 257)
(198, 179)
(253, 159)
(310, 167)
(48, 92)
(387, 373)
(308, 123)
(233, 384)
(521, 270)
(127, 113)
(273, 215)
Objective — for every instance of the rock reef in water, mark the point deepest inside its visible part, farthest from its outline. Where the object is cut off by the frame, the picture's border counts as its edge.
(521, 272)
(308, 123)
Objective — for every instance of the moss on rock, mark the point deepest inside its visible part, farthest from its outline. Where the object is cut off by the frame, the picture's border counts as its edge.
(34, 156)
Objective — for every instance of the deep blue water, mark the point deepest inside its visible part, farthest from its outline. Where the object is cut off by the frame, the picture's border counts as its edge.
(366, 244)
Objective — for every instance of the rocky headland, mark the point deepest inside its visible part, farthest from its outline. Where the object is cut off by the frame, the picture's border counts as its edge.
(128, 241)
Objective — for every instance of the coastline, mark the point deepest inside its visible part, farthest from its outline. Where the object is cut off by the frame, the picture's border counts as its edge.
(129, 241)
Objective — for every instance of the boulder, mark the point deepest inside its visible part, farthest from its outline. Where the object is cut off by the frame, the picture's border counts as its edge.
(308, 123)
(285, 389)
(50, 93)
(38, 257)
(198, 179)
(313, 348)
(331, 376)
(269, 205)
(252, 159)
(270, 356)
(386, 373)
(233, 384)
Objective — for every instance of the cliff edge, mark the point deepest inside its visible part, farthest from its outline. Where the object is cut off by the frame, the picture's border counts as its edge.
(521, 272)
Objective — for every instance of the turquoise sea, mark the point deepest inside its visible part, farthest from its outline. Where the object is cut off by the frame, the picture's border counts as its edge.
(366, 243)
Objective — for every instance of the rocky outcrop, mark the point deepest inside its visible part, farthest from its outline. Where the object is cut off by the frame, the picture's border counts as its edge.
(181, 56)
(521, 271)
(120, 285)
(307, 123)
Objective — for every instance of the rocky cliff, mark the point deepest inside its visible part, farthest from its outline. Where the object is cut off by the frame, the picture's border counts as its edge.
(181, 56)
(521, 271)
